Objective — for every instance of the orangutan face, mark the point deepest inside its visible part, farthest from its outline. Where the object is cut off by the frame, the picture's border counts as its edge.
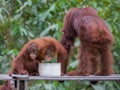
(50, 53)
(33, 50)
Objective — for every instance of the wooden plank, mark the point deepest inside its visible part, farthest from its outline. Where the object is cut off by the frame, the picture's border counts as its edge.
(20, 77)
(5, 77)
(114, 77)
(22, 80)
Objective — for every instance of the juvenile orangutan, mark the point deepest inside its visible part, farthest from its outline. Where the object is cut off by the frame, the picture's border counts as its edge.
(33, 53)
(38, 50)
(25, 62)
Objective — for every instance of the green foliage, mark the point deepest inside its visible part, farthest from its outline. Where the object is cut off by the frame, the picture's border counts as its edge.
(23, 20)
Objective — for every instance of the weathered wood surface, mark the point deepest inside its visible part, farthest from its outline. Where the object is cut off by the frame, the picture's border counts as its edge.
(22, 80)
(5, 77)
(114, 77)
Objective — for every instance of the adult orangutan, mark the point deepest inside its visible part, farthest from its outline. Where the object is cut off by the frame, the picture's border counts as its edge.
(95, 41)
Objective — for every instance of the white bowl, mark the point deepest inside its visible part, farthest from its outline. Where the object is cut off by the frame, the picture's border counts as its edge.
(50, 69)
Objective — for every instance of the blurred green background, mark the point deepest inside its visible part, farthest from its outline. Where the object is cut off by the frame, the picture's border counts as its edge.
(23, 20)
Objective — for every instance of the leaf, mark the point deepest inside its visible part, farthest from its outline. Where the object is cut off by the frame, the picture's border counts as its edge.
(73, 64)
(98, 87)
(16, 17)
(22, 7)
(1, 16)
(46, 31)
(31, 34)
(19, 1)
(23, 31)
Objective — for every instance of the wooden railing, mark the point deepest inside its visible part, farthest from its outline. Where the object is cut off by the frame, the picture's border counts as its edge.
(22, 80)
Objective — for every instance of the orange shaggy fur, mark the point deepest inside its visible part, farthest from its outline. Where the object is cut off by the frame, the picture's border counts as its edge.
(20, 62)
(24, 64)
(95, 41)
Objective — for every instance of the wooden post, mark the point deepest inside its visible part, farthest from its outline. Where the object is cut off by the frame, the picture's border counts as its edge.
(21, 81)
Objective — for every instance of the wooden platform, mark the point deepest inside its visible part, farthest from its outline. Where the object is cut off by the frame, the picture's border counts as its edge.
(114, 77)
